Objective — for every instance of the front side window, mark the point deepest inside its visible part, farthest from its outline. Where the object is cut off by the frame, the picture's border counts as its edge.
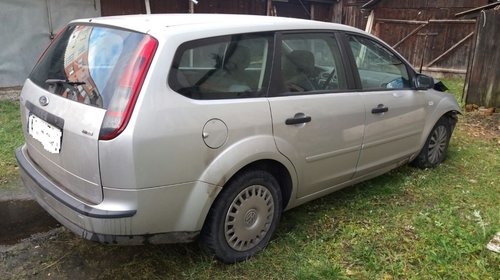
(311, 62)
(222, 67)
(378, 67)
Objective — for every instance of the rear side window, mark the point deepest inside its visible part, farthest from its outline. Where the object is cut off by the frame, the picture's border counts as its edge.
(86, 63)
(221, 68)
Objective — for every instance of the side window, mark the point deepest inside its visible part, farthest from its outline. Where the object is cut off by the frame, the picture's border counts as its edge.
(378, 67)
(221, 68)
(311, 62)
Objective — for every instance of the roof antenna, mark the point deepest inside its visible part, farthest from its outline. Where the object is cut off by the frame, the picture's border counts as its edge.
(424, 52)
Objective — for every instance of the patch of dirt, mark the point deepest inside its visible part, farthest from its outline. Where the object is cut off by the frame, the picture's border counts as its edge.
(34, 257)
(482, 127)
(10, 93)
(22, 218)
(60, 254)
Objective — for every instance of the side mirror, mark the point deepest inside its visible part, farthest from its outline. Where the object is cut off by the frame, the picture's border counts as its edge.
(423, 82)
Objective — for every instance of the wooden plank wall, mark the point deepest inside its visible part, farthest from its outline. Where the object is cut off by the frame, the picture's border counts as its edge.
(322, 11)
(170, 6)
(344, 11)
(117, 7)
(482, 85)
(255, 7)
(293, 8)
(351, 13)
(435, 38)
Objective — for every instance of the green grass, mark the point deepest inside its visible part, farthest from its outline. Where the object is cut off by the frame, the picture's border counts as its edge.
(456, 87)
(407, 224)
(11, 137)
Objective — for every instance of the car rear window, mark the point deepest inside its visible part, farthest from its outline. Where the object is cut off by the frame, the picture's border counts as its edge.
(85, 63)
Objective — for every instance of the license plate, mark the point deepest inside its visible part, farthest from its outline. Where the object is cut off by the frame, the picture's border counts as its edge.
(45, 133)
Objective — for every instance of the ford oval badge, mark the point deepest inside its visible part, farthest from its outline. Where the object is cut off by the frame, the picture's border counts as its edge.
(44, 100)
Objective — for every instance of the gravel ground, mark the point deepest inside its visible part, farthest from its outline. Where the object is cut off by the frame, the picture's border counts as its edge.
(10, 93)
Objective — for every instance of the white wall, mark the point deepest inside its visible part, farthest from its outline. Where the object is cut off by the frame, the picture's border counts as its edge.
(25, 32)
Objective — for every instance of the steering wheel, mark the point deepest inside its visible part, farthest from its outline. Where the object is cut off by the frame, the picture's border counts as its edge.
(329, 79)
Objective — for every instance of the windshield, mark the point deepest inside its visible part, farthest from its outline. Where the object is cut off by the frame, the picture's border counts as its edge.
(85, 62)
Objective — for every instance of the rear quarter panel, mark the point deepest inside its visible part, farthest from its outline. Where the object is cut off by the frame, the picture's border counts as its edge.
(163, 144)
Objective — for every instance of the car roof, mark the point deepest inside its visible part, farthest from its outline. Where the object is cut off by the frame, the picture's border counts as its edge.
(147, 23)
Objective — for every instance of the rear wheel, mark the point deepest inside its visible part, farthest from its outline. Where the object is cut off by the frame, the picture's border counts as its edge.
(436, 147)
(243, 217)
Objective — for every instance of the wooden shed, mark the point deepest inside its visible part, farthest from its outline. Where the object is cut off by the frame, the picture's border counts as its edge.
(426, 33)
(340, 11)
(482, 83)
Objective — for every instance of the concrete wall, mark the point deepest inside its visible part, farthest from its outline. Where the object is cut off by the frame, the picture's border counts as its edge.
(26, 28)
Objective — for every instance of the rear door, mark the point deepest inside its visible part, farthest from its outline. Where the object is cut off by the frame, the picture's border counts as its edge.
(317, 119)
(64, 102)
(395, 113)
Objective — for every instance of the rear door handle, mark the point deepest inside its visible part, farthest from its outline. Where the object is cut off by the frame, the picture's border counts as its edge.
(380, 109)
(298, 119)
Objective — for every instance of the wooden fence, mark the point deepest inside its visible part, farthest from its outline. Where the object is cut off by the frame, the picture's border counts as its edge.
(482, 84)
(427, 33)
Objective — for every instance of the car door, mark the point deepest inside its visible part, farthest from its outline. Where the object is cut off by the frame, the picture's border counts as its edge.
(317, 116)
(395, 113)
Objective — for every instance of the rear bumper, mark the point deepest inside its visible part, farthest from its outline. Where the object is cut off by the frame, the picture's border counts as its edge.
(169, 214)
(48, 187)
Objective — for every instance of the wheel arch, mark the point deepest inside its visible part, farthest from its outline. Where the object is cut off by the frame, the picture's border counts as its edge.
(245, 199)
(277, 170)
(452, 117)
(258, 152)
(446, 107)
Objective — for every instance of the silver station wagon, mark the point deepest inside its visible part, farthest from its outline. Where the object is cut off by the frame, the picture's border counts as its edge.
(167, 128)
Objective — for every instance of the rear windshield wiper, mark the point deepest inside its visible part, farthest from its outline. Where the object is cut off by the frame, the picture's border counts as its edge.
(67, 84)
(61, 81)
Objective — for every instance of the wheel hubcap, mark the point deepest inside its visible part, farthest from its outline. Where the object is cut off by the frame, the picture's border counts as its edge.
(249, 218)
(437, 145)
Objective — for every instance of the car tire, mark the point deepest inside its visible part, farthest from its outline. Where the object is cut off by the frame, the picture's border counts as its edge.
(244, 217)
(435, 149)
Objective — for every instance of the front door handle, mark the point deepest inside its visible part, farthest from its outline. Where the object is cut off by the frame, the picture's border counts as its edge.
(298, 119)
(380, 109)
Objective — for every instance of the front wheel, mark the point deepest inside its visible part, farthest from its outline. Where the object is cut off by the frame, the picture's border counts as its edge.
(436, 146)
(243, 217)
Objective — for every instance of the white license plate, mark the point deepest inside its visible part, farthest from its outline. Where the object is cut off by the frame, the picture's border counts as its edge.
(47, 134)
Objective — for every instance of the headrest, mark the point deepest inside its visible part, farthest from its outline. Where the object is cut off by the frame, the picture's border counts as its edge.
(303, 60)
(238, 60)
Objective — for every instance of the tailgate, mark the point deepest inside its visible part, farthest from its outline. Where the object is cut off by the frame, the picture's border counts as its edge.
(73, 165)
(82, 91)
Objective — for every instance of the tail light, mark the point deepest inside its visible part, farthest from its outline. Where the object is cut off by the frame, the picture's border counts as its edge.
(123, 101)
